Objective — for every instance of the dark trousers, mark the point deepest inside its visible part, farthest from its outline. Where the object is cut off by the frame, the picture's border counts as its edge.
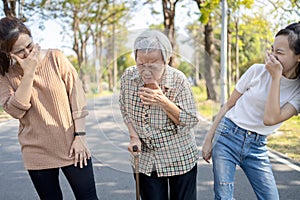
(81, 180)
(180, 187)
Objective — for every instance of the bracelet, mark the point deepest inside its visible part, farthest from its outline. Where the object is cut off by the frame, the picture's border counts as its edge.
(79, 133)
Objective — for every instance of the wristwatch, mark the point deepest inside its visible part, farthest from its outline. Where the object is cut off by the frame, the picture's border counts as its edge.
(79, 133)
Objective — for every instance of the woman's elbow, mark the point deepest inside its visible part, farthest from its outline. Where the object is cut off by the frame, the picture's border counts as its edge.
(17, 114)
(269, 121)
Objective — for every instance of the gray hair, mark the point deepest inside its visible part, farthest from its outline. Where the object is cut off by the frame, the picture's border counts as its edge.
(152, 40)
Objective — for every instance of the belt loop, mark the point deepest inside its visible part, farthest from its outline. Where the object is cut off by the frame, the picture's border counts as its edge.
(257, 137)
(236, 129)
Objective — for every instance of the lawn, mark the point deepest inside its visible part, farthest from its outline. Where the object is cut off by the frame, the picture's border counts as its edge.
(286, 140)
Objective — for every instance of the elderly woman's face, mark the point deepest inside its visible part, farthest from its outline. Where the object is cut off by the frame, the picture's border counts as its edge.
(150, 65)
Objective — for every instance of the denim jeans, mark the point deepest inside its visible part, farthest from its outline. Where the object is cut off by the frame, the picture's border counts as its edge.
(233, 146)
(81, 180)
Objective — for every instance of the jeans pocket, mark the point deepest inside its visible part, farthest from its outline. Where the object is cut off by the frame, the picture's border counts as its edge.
(262, 142)
(224, 128)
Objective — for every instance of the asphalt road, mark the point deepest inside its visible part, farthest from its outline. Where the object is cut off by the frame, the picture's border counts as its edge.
(108, 139)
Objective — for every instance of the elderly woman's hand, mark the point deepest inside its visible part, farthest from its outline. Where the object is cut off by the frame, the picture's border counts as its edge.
(135, 141)
(153, 96)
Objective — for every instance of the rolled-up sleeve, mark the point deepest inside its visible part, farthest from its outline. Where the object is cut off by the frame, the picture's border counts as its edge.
(8, 100)
(74, 87)
(122, 97)
(185, 101)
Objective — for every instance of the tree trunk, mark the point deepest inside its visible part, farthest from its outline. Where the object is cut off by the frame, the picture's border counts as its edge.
(237, 71)
(229, 67)
(209, 73)
(114, 53)
(169, 25)
(9, 8)
(197, 65)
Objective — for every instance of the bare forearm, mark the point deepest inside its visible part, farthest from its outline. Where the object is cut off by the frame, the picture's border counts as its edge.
(272, 108)
(23, 93)
(227, 106)
(210, 134)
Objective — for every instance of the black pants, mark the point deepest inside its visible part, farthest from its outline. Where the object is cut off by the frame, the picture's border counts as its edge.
(81, 180)
(181, 187)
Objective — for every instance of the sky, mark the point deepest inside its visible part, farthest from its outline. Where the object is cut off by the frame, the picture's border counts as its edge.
(51, 36)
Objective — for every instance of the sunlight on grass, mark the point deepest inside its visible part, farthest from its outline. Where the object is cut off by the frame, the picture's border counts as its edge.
(207, 108)
(287, 140)
(104, 93)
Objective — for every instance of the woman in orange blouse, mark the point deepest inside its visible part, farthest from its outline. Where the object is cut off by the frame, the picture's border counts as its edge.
(42, 90)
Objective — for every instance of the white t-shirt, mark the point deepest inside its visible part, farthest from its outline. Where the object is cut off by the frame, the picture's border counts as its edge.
(254, 85)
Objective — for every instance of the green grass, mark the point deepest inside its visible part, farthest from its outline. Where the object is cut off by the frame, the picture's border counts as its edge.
(104, 93)
(206, 108)
(286, 141)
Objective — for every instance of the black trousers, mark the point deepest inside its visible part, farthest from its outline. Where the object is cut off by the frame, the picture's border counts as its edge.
(81, 180)
(181, 187)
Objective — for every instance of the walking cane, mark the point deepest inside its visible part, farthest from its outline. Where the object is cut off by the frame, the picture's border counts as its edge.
(136, 172)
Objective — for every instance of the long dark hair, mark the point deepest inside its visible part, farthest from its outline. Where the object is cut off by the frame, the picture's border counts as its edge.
(293, 33)
(10, 30)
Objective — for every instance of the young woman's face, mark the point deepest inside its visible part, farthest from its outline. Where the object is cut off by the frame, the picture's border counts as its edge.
(285, 56)
(150, 65)
(23, 46)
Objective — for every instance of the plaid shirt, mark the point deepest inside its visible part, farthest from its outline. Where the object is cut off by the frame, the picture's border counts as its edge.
(169, 148)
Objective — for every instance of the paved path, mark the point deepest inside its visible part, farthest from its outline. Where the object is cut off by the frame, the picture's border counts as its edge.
(108, 139)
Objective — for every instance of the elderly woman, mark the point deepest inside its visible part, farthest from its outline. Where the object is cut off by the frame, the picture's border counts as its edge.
(158, 108)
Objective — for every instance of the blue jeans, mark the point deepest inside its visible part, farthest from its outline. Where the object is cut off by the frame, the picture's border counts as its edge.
(233, 146)
(46, 182)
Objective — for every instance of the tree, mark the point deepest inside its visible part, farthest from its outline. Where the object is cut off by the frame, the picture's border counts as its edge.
(196, 33)
(84, 21)
(283, 6)
(206, 8)
(10, 8)
(168, 9)
(234, 16)
(169, 24)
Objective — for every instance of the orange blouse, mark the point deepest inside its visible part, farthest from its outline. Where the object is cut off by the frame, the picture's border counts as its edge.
(47, 122)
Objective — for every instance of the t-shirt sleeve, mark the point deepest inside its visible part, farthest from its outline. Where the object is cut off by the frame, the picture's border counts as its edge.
(296, 102)
(244, 82)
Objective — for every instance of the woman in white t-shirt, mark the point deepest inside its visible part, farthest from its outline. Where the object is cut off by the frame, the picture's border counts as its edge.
(265, 96)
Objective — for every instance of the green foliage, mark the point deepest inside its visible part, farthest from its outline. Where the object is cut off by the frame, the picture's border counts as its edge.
(237, 4)
(125, 61)
(187, 68)
(206, 108)
(206, 9)
(255, 36)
